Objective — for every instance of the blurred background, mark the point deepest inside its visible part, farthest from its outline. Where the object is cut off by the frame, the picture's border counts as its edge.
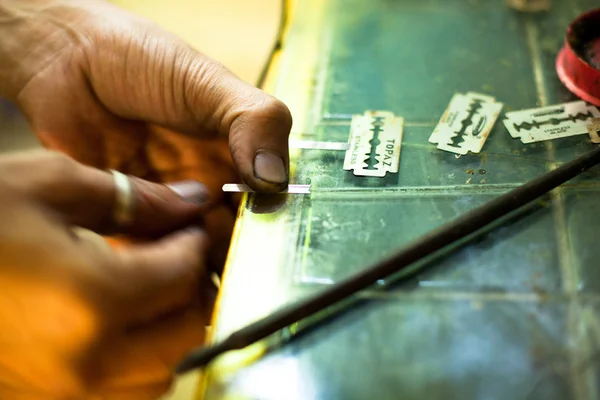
(239, 33)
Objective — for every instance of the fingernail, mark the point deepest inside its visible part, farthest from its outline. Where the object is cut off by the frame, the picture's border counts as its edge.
(191, 191)
(269, 167)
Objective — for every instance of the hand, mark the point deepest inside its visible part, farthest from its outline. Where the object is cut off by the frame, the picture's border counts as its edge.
(92, 77)
(96, 82)
(79, 320)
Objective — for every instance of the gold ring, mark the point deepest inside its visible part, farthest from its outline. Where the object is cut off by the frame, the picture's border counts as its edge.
(124, 209)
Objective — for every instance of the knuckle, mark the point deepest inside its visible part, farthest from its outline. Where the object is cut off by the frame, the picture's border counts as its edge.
(212, 74)
(58, 169)
(264, 108)
(59, 164)
(58, 161)
(40, 173)
(277, 110)
(202, 99)
(272, 110)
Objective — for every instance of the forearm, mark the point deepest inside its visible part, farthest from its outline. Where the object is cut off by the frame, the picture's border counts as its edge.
(32, 34)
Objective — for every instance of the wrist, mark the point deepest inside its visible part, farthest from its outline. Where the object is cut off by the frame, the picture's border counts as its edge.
(33, 33)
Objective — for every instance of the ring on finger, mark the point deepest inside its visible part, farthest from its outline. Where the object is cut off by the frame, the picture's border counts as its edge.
(124, 208)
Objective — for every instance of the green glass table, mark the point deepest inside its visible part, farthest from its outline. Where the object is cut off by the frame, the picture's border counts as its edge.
(515, 314)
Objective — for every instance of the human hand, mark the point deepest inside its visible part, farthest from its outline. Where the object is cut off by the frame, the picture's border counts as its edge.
(79, 320)
(94, 79)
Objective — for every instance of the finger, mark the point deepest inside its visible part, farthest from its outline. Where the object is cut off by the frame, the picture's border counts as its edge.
(165, 81)
(153, 279)
(86, 196)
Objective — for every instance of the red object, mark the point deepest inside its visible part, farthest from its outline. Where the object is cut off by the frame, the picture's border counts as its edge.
(578, 63)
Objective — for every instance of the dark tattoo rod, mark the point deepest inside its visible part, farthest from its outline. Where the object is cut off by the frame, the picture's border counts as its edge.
(436, 240)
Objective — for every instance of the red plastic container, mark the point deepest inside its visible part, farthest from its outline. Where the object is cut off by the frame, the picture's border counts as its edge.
(578, 63)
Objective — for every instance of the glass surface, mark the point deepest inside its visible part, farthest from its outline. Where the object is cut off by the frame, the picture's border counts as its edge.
(512, 315)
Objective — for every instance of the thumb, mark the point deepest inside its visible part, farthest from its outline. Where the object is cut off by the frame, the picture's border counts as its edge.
(145, 73)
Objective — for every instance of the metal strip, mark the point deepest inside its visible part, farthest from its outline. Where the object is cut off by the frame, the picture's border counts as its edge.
(313, 144)
(241, 188)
